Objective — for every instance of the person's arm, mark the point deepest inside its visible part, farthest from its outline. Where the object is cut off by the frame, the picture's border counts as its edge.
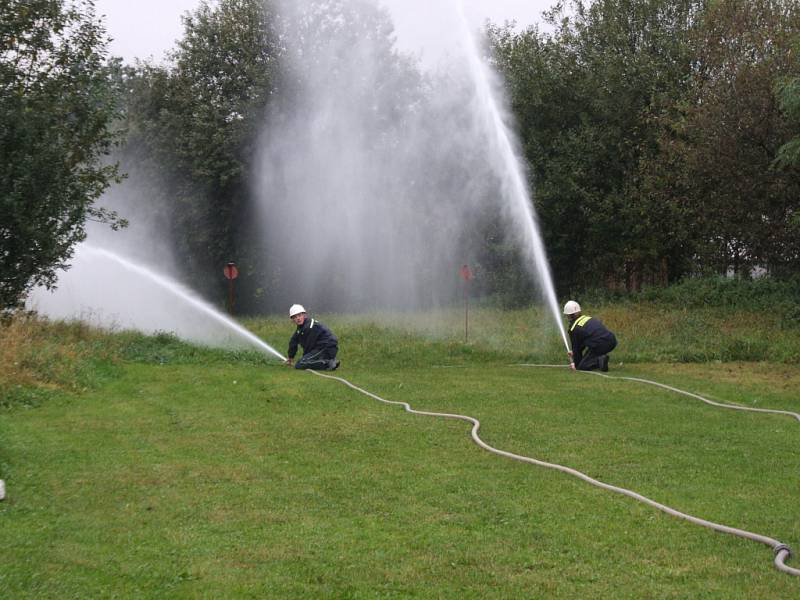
(292, 348)
(577, 345)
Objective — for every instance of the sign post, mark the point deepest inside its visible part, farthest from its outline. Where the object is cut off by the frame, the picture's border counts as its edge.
(466, 275)
(231, 272)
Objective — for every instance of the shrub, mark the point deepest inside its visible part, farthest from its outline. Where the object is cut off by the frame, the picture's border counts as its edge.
(39, 357)
(723, 292)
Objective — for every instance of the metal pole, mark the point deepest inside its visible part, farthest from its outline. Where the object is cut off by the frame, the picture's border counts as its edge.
(466, 312)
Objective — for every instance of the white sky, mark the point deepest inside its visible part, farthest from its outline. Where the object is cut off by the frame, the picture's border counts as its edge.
(148, 28)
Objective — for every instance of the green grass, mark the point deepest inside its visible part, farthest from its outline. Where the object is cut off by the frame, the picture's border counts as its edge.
(186, 472)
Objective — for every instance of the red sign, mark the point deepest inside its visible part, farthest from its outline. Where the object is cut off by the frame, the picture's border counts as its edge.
(231, 272)
(466, 273)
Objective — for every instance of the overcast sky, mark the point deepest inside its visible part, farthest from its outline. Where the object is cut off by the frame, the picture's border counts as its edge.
(148, 28)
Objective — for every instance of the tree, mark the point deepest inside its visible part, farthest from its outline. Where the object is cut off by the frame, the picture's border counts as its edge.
(723, 141)
(56, 107)
(194, 125)
(239, 79)
(652, 128)
(586, 98)
(788, 92)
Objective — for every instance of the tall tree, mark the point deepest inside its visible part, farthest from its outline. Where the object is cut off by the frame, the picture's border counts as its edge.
(724, 139)
(788, 91)
(653, 128)
(585, 97)
(56, 107)
(194, 125)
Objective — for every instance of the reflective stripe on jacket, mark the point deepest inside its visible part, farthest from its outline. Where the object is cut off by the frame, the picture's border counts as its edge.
(588, 332)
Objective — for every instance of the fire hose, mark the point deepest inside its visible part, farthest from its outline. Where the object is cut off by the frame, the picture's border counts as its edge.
(782, 552)
(685, 393)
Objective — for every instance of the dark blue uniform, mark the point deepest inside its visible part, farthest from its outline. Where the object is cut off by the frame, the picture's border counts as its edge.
(319, 346)
(589, 334)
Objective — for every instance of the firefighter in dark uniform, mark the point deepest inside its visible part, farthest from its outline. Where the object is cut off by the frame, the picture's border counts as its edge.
(590, 335)
(319, 344)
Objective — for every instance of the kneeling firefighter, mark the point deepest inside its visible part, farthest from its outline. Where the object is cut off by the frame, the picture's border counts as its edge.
(590, 335)
(319, 344)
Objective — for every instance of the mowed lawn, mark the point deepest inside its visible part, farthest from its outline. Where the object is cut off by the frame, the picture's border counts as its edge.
(247, 480)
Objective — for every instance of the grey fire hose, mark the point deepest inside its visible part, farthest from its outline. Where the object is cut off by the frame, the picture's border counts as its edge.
(698, 397)
(781, 551)
(684, 392)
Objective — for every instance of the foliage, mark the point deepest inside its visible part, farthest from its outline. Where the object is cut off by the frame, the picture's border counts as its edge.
(788, 92)
(194, 126)
(56, 106)
(764, 294)
(721, 145)
(585, 98)
(234, 81)
(651, 126)
(39, 358)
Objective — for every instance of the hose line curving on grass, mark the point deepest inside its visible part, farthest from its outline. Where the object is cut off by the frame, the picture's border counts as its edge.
(699, 397)
(781, 551)
(788, 413)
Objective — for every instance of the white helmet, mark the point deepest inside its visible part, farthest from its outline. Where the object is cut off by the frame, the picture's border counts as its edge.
(296, 309)
(572, 307)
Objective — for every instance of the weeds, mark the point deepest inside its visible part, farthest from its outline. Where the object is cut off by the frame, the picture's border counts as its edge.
(766, 294)
(40, 357)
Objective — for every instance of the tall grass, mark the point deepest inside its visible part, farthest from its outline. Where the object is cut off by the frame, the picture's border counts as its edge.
(647, 331)
(765, 294)
(39, 357)
(696, 321)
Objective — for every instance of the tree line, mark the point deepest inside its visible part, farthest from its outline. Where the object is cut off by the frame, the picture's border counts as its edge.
(662, 136)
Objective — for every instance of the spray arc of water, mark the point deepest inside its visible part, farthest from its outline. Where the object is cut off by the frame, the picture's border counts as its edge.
(184, 295)
(518, 193)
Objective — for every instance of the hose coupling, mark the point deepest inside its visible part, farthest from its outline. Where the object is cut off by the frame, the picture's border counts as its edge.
(780, 547)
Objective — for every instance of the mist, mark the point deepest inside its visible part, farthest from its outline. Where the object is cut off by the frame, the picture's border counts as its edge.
(384, 164)
(129, 279)
(380, 173)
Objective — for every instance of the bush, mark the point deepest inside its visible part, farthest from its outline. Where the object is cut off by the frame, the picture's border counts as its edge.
(39, 358)
(723, 292)
(165, 347)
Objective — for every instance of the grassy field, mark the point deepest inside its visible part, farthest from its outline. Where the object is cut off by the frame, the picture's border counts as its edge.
(144, 467)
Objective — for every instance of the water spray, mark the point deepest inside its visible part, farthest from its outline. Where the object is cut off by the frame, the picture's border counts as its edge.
(183, 294)
(518, 194)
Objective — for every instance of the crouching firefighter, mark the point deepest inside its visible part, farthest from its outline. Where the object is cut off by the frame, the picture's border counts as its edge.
(588, 334)
(319, 344)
